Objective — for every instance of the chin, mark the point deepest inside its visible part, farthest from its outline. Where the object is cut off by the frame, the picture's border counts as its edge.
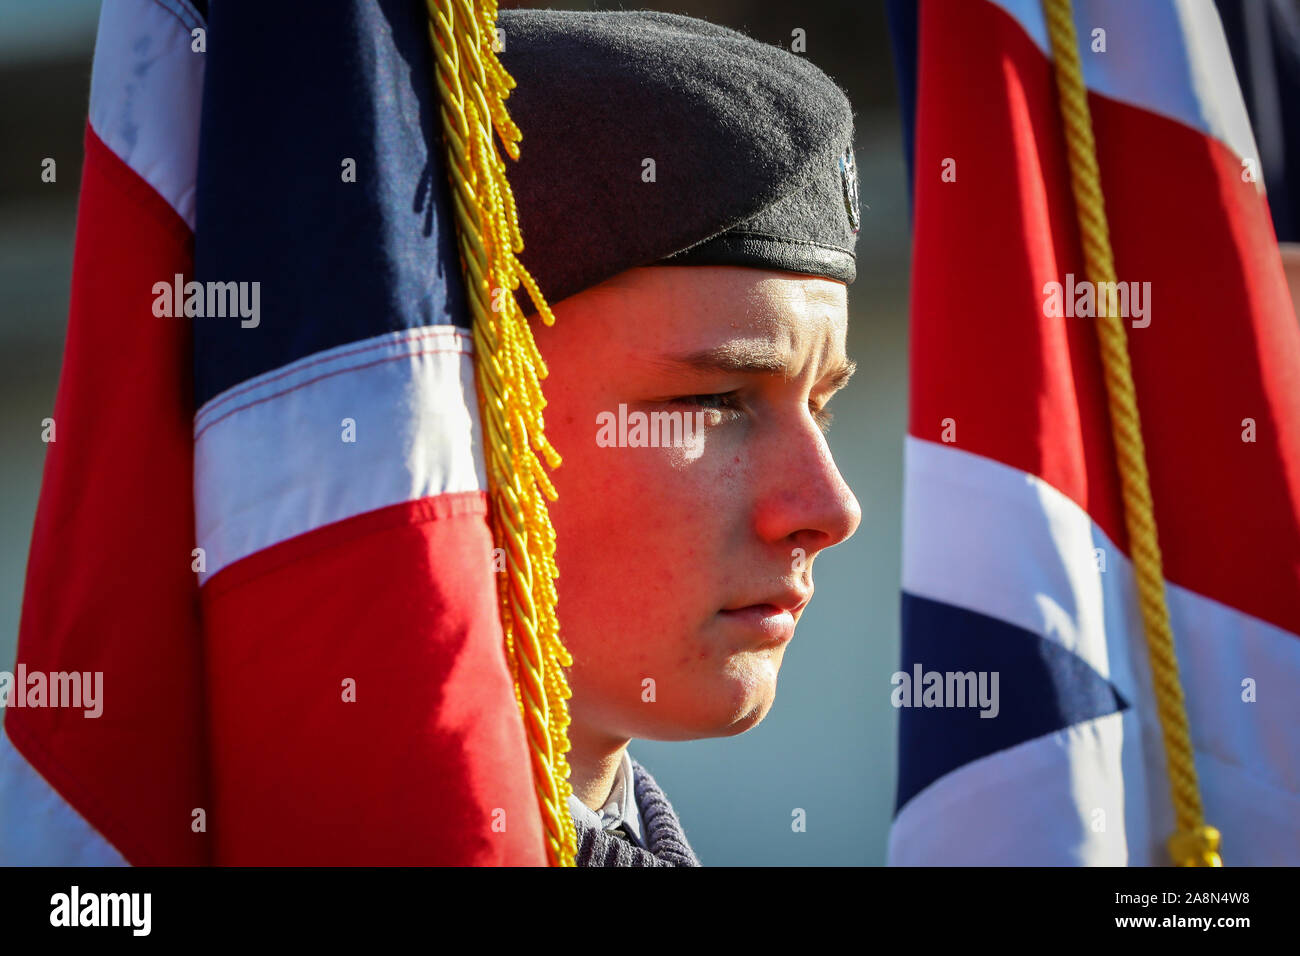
(746, 721)
(724, 709)
(736, 705)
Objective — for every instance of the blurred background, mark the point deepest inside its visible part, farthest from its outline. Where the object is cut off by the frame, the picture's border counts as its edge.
(828, 745)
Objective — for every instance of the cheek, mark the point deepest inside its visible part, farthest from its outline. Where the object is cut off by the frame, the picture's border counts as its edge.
(642, 545)
(653, 503)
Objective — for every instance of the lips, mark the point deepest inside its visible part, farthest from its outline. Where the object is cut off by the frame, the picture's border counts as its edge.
(791, 600)
(767, 624)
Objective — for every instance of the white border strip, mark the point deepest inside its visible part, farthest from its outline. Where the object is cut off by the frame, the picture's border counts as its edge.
(271, 463)
(40, 828)
(146, 94)
(980, 535)
(1166, 56)
(1032, 805)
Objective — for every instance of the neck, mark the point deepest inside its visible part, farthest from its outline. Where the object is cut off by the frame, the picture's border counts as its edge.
(594, 760)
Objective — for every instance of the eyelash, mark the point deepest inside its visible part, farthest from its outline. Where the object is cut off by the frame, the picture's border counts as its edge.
(727, 401)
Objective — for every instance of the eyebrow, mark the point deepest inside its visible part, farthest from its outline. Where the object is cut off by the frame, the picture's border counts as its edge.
(749, 358)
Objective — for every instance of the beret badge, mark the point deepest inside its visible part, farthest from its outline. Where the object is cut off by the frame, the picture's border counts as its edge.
(849, 179)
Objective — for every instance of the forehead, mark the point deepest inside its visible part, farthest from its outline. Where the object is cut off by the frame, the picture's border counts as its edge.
(703, 306)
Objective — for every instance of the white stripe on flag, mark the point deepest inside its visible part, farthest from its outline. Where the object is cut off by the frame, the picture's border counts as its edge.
(146, 89)
(40, 825)
(271, 462)
(1166, 56)
(982, 536)
(1031, 805)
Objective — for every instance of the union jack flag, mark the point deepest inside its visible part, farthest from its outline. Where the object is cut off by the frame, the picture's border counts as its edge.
(1017, 561)
(263, 518)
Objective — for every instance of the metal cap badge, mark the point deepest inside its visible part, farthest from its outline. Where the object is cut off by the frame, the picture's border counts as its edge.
(849, 179)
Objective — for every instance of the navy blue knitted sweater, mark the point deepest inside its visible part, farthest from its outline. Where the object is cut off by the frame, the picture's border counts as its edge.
(660, 829)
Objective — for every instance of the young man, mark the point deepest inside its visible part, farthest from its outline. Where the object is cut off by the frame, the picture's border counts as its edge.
(689, 206)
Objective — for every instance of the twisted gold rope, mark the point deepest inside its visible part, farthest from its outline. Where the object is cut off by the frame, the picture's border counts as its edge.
(472, 87)
(1194, 843)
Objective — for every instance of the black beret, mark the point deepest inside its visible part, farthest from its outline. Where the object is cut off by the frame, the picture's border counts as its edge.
(752, 149)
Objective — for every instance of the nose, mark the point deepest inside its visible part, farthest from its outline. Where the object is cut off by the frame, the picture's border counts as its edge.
(805, 502)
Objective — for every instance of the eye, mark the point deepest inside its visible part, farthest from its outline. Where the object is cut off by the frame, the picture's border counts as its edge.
(720, 407)
(721, 401)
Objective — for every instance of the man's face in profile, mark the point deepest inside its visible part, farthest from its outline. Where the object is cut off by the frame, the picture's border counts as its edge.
(689, 566)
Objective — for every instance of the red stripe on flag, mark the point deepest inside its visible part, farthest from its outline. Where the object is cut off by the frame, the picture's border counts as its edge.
(109, 581)
(1027, 390)
(429, 764)
(1021, 389)
(1223, 346)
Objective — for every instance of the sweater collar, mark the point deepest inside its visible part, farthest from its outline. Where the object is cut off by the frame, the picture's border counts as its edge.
(665, 840)
(619, 809)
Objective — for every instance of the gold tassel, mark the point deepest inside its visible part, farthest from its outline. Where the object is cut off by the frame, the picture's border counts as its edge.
(473, 87)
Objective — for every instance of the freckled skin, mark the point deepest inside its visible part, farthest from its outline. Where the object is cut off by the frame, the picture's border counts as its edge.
(651, 546)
